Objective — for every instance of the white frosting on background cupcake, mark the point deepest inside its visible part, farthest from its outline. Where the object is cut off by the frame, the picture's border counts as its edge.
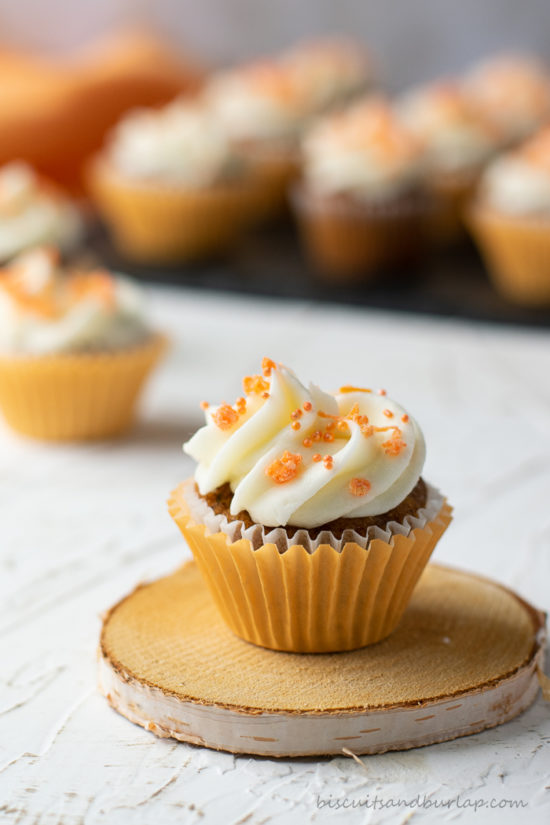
(514, 91)
(45, 310)
(363, 151)
(258, 101)
(299, 456)
(181, 144)
(457, 135)
(32, 213)
(518, 182)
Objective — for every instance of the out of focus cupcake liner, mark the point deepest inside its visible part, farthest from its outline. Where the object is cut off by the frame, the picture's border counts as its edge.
(516, 252)
(328, 599)
(163, 224)
(452, 193)
(351, 241)
(275, 171)
(74, 397)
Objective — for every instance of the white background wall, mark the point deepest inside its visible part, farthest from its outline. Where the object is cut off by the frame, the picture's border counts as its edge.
(413, 39)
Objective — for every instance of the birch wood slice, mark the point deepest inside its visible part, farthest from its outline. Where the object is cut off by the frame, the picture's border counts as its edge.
(464, 658)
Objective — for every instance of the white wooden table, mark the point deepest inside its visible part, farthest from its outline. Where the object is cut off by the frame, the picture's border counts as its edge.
(80, 526)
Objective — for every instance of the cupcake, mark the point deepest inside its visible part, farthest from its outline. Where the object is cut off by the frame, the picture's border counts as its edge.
(263, 109)
(514, 92)
(361, 204)
(510, 221)
(329, 72)
(75, 349)
(308, 516)
(33, 212)
(170, 187)
(459, 140)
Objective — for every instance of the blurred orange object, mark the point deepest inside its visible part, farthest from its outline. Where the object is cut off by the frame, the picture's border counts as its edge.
(55, 112)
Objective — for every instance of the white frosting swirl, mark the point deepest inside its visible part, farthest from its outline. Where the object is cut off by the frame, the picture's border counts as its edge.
(32, 214)
(457, 134)
(269, 461)
(179, 144)
(519, 182)
(363, 151)
(44, 311)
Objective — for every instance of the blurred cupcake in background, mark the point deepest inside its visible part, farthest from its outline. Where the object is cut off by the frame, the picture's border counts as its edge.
(510, 221)
(362, 204)
(514, 92)
(75, 349)
(170, 186)
(330, 72)
(34, 211)
(459, 139)
(264, 109)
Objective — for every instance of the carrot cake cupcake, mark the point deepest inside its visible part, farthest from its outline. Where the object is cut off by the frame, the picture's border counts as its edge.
(459, 139)
(34, 211)
(514, 92)
(510, 221)
(308, 515)
(170, 186)
(362, 203)
(75, 349)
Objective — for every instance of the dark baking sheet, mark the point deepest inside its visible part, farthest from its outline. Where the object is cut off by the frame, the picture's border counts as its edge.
(453, 284)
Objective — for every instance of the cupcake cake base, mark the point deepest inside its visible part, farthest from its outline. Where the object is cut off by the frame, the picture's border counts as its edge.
(168, 662)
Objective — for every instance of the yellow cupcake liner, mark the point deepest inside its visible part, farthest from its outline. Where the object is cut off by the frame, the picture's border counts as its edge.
(75, 397)
(162, 224)
(324, 601)
(516, 252)
(274, 172)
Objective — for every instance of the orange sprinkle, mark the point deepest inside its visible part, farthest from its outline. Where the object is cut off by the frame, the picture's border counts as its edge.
(349, 388)
(241, 405)
(204, 405)
(285, 468)
(307, 406)
(323, 414)
(296, 413)
(225, 417)
(317, 436)
(359, 486)
(267, 366)
(295, 425)
(328, 437)
(404, 418)
(331, 425)
(307, 442)
(317, 457)
(342, 425)
(382, 392)
(265, 395)
(394, 445)
(254, 383)
(388, 413)
(327, 461)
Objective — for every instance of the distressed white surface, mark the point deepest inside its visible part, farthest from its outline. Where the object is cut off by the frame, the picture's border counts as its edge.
(80, 526)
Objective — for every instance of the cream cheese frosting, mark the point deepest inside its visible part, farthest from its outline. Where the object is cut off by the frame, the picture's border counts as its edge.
(303, 457)
(181, 144)
(518, 182)
(457, 134)
(32, 213)
(363, 151)
(514, 91)
(258, 101)
(44, 310)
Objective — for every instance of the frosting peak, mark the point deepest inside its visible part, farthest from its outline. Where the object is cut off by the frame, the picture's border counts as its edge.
(299, 456)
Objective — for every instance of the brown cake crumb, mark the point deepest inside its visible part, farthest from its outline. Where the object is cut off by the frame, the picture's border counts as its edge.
(220, 501)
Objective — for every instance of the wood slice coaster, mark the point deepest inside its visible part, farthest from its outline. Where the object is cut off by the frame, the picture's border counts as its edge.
(464, 658)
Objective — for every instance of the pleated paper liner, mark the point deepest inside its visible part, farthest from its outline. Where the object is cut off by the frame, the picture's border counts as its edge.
(516, 252)
(74, 397)
(330, 599)
(275, 171)
(452, 193)
(347, 240)
(171, 224)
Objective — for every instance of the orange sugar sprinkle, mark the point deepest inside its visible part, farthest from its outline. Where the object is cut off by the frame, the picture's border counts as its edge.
(204, 405)
(349, 388)
(393, 446)
(328, 461)
(331, 425)
(265, 395)
(295, 425)
(323, 414)
(296, 413)
(353, 412)
(307, 442)
(404, 418)
(388, 413)
(267, 366)
(317, 457)
(225, 417)
(359, 486)
(317, 436)
(307, 406)
(254, 383)
(382, 392)
(343, 425)
(285, 468)
(328, 437)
